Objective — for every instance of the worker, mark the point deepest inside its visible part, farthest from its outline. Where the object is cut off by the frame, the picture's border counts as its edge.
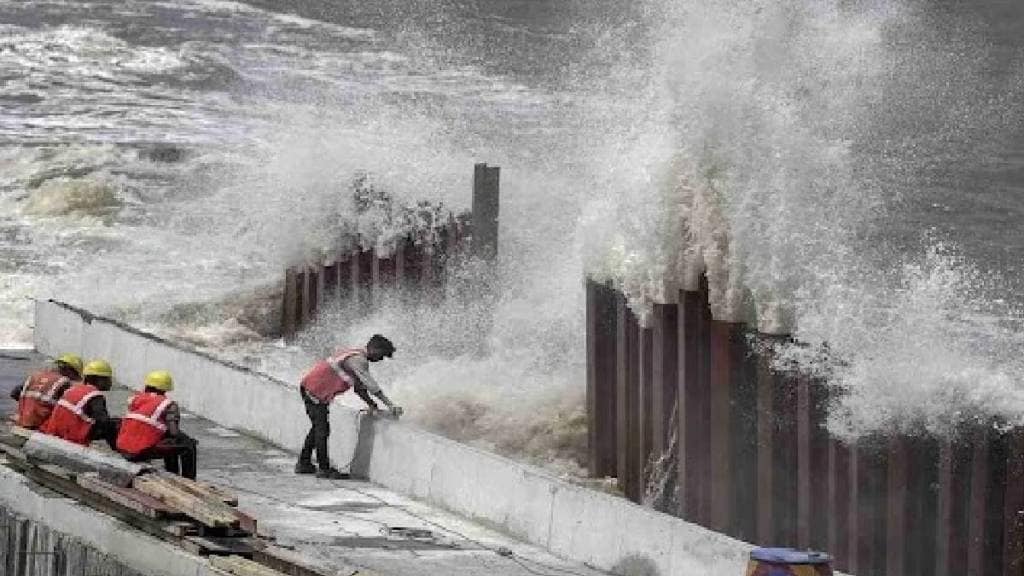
(151, 428)
(41, 391)
(80, 416)
(348, 368)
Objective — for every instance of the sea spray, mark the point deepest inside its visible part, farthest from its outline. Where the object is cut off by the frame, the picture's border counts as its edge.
(799, 134)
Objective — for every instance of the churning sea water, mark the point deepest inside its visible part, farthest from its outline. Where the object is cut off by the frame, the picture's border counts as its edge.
(847, 171)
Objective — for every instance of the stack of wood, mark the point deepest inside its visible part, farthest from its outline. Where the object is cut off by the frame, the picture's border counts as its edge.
(199, 517)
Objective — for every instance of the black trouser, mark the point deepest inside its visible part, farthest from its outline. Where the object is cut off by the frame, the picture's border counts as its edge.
(316, 439)
(178, 453)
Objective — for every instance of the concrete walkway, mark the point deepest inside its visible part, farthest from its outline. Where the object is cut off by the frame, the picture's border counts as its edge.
(343, 527)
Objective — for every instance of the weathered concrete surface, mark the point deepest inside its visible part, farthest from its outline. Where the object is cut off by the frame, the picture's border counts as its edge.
(354, 525)
(572, 522)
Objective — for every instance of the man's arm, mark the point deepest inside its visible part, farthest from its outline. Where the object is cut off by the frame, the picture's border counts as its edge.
(362, 393)
(360, 368)
(16, 392)
(172, 416)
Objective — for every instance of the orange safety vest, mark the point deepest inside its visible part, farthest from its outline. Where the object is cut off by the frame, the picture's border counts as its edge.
(323, 382)
(38, 397)
(145, 424)
(69, 420)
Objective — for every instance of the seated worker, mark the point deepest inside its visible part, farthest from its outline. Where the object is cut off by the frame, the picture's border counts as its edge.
(41, 391)
(328, 378)
(150, 429)
(81, 414)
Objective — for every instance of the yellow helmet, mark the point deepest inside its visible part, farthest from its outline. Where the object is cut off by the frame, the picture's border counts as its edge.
(98, 368)
(72, 360)
(161, 380)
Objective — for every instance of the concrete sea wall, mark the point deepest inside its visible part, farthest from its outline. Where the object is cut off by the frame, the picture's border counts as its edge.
(577, 523)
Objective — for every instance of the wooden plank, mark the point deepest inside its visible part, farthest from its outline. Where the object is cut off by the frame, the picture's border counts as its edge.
(203, 490)
(291, 562)
(131, 499)
(246, 522)
(93, 500)
(58, 471)
(214, 546)
(182, 528)
(242, 567)
(213, 514)
(217, 492)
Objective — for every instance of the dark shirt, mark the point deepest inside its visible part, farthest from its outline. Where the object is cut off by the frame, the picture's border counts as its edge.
(97, 409)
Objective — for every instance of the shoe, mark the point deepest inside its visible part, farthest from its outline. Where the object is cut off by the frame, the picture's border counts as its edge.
(305, 468)
(332, 474)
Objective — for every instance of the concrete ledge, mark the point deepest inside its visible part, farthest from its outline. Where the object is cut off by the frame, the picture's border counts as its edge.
(134, 549)
(574, 522)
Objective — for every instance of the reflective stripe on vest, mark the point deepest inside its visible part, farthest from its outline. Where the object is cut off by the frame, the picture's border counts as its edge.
(69, 420)
(38, 397)
(153, 420)
(79, 407)
(47, 396)
(143, 427)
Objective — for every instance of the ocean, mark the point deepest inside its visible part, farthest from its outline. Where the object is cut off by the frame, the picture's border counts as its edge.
(849, 172)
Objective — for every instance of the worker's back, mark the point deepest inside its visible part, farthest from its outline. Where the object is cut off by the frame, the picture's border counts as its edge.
(69, 419)
(39, 396)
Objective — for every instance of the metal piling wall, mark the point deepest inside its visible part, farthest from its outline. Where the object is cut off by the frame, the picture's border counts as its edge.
(361, 276)
(756, 461)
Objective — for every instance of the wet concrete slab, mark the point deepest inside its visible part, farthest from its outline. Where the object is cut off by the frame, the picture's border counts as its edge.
(342, 526)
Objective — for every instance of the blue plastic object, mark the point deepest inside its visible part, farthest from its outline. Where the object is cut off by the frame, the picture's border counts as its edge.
(789, 556)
